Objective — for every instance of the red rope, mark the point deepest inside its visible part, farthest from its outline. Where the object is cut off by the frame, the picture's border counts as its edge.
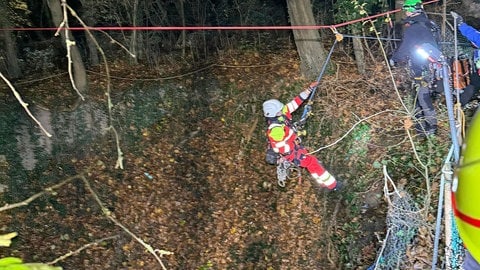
(177, 28)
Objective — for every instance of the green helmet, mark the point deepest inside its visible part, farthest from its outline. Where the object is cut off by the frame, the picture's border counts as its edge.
(413, 5)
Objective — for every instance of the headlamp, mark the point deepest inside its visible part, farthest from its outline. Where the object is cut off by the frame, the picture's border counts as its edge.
(429, 52)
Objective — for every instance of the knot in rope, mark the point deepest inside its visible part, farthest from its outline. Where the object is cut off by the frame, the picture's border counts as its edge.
(338, 36)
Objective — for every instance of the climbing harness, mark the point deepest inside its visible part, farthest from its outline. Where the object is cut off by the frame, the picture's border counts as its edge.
(285, 170)
(284, 167)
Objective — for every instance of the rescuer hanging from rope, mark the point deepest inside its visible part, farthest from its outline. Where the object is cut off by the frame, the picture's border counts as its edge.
(283, 138)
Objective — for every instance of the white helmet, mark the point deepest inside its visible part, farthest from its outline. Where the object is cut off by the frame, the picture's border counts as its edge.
(271, 107)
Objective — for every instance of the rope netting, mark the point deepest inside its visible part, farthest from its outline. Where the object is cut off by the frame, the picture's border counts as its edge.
(403, 221)
(455, 251)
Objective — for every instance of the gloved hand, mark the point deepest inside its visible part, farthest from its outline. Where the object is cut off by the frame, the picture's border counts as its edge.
(458, 18)
(305, 93)
(313, 85)
(391, 62)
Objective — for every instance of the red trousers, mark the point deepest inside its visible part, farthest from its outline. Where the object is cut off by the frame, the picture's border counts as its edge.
(300, 158)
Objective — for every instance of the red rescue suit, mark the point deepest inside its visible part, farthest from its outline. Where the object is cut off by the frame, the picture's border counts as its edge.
(284, 140)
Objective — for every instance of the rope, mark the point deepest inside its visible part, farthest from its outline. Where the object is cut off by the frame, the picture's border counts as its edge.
(457, 119)
(446, 174)
(451, 116)
(308, 106)
(202, 28)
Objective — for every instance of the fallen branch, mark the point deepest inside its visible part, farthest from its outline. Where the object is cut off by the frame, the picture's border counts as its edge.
(68, 43)
(24, 104)
(157, 253)
(119, 163)
(108, 214)
(382, 249)
(71, 253)
(387, 179)
(35, 196)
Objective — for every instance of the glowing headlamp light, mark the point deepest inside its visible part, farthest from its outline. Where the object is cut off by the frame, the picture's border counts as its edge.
(429, 52)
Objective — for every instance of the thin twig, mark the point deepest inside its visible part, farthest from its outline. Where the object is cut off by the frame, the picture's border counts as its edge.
(68, 43)
(383, 248)
(35, 196)
(108, 214)
(40, 79)
(71, 253)
(24, 104)
(119, 162)
(425, 174)
(387, 180)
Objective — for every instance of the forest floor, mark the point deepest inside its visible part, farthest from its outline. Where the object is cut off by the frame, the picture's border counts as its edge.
(208, 200)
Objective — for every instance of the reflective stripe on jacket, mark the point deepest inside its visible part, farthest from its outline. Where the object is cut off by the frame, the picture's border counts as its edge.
(282, 138)
(280, 134)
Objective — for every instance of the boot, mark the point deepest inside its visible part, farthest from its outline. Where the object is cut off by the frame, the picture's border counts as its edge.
(338, 186)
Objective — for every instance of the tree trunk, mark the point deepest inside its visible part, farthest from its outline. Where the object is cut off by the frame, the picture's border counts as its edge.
(309, 47)
(181, 11)
(79, 73)
(12, 66)
(359, 55)
(398, 15)
(133, 39)
(93, 58)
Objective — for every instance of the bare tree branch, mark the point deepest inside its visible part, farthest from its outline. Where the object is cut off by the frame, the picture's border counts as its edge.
(68, 44)
(24, 104)
(157, 253)
(71, 253)
(119, 163)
